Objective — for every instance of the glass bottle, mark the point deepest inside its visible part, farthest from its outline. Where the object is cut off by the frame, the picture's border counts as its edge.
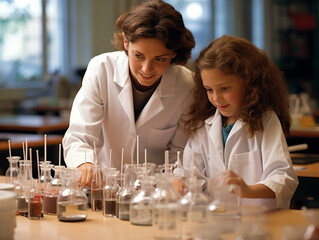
(193, 206)
(166, 210)
(141, 206)
(128, 192)
(34, 200)
(97, 189)
(22, 186)
(178, 169)
(52, 191)
(225, 209)
(72, 203)
(46, 177)
(13, 170)
(109, 192)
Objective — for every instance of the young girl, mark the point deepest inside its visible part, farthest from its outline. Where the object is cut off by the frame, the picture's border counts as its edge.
(141, 90)
(238, 122)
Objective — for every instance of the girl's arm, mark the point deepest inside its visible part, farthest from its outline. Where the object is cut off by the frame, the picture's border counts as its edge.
(249, 191)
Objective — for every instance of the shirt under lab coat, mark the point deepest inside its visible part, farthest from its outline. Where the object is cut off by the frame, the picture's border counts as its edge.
(103, 114)
(261, 159)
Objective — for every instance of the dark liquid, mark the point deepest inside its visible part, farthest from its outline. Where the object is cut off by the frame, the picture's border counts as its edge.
(109, 208)
(22, 205)
(49, 204)
(124, 211)
(96, 200)
(117, 210)
(34, 209)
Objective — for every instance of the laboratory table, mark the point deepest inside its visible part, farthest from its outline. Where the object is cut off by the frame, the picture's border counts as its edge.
(99, 227)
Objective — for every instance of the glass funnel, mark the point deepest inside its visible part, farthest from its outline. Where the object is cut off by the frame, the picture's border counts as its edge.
(72, 203)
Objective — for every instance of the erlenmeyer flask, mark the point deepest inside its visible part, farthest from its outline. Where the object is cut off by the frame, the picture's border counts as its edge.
(72, 202)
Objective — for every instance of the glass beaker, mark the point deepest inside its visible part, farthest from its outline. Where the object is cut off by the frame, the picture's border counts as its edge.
(13, 170)
(193, 206)
(225, 208)
(97, 189)
(127, 193)
(109, 192)
(52, 191)
(166, 211)
(72, 202)
(22, 186)
(141, 206)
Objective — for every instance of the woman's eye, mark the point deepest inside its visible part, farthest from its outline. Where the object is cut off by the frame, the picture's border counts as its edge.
(161, 59)
(225, 88)
(138, 55)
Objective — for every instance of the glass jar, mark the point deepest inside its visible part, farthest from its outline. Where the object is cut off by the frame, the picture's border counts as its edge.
(97, 189)
(72, 203)
(225, 209)
(46, 177)
(34, 200)
(22, 186)
(52, 191)
(127, 193)
(166, 211)
(141, 206)
(109, 192)
(193, 206)
(13, 170)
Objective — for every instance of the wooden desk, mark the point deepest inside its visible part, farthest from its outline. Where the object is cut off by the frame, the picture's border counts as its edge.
(32, 123)
(305, 132)
(307, 170)
(99, 227)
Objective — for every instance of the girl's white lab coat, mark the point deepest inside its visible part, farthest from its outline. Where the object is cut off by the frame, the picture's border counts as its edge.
(263, 158)
(103, 113)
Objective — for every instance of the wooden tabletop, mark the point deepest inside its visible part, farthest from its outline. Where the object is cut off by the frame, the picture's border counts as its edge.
(99, 227)
(34, 140)
(305, 132)
(307, 170)
(32, 123)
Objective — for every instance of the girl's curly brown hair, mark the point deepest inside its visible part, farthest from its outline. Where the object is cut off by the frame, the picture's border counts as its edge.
(156, 19)
(265, 85)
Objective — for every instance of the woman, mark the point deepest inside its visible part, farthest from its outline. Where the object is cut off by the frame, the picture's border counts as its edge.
(140, 90)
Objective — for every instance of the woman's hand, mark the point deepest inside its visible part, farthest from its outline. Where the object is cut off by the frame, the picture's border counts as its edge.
(86, 174)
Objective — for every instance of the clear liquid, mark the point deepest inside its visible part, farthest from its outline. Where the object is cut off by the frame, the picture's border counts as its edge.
(167, 222)
(72, 212)
(141, 216)
(124, 211)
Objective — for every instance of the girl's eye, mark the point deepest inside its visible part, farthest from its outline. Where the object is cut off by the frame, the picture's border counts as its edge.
(225, 88)
(208, 89)
(138, 55)
(161, 59)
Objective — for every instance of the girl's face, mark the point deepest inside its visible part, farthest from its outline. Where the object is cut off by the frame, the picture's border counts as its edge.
(148, 59)
(225, 92)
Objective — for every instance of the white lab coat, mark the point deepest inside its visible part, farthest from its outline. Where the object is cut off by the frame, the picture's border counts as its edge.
(103, 113)
(263, 158)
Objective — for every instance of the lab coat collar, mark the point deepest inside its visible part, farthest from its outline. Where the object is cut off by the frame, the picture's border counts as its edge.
(122, 73)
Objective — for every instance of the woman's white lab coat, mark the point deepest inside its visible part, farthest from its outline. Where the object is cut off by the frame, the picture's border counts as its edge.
(103, 113)
(263, 158)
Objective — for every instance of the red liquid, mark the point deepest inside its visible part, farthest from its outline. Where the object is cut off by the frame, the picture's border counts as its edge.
(49, 204)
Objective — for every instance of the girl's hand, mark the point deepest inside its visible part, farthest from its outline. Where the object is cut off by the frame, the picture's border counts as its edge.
(248, 191)
(86, 176)
(179, 186)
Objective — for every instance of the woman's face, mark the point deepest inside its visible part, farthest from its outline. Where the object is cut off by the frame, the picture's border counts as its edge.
(225, 92)
(148, 59)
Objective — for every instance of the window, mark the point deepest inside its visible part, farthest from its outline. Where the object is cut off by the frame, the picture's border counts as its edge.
(31, 41)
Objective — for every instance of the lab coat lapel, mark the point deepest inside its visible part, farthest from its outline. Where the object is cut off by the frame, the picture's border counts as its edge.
(216, 141)
(122, 79)
(155, 105)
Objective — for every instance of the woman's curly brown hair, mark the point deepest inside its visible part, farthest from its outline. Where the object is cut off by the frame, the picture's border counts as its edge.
(265, 85)
(156, 19)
